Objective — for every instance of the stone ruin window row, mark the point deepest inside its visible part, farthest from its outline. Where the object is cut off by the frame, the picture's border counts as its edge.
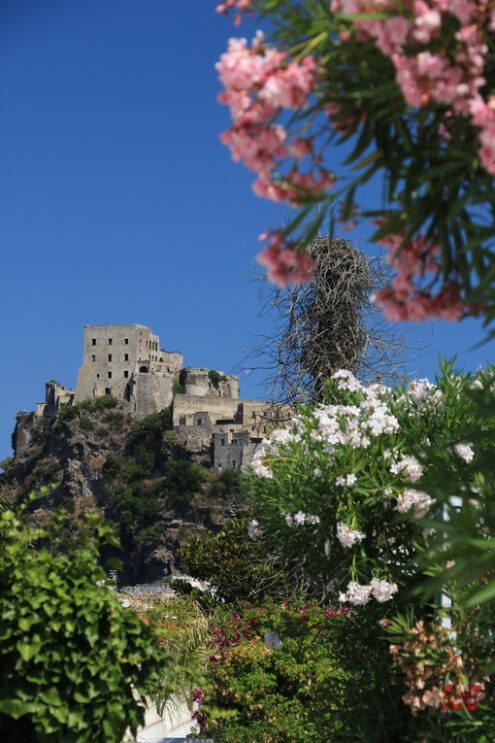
(110, 358)
(110, 341)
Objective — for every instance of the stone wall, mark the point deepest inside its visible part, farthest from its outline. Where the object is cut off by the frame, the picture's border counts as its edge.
(234, 449)
(186, 408)
(55, 395)
(196, 381)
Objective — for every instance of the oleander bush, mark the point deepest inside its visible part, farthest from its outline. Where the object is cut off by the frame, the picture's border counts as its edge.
(351, 506)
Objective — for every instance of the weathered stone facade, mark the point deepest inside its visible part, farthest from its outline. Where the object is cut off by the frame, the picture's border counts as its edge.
(126, 361)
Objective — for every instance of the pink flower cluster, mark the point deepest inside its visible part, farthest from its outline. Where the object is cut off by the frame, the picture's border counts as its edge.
(404, 299)
(259, 82)
(285, 265)
(241, 6)
(451, 75)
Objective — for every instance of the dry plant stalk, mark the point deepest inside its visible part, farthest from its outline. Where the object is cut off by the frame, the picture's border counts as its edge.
(328, 325)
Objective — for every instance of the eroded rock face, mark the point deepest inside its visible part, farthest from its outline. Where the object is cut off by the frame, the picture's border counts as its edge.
(28, 433)
(71, 456)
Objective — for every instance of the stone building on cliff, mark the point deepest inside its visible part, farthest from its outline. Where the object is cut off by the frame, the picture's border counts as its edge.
(126, 361)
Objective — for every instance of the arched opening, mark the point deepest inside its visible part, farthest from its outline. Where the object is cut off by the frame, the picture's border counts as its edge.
(143, 369)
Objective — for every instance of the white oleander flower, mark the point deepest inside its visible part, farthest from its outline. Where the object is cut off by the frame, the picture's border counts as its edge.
(254, 530)
(417, 500)
(348, 537)
(356, 594)
(382, 590)
(464, 451)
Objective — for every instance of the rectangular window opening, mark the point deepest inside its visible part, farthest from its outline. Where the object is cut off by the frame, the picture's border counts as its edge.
(108, 391)
(93, 341)
(126, 374)
(109, 341)
(109, 356)
(126, 341)
(93, 357)
(109, 375)
(126, 357)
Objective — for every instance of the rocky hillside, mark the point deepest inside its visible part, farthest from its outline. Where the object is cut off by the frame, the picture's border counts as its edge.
(138, 475)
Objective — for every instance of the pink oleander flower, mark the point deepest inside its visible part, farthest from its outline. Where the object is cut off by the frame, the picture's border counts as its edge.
(284, 264)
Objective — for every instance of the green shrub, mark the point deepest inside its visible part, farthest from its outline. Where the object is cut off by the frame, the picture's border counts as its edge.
(147, 459)
(236, 565)
(85, 405)
(112, 466)
(151, 426)
(116, 418)
(170, 437)
(86, 424)
(102, 432)
(48, 468)
(294, 673)
(139, 510)
(67, 413)
(134, 472)
(6, 463)
(227, 484)
(106, 401)
(183, 481)
(182, 379)
(74, 665)
(67, 504)
(215, 377)
(177, 387)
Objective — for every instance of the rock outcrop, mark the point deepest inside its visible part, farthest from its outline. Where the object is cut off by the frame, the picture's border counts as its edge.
(138, 475)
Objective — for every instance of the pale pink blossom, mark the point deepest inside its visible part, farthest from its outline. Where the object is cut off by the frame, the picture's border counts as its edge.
(254, 530)
(348, 537)
(415, 500)
(382, 590)
(464, 451)
(356, 594)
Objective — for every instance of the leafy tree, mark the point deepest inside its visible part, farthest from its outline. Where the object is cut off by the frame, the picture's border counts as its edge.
(74, 664)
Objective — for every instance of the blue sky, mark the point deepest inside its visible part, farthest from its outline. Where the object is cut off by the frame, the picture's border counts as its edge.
(118, 203)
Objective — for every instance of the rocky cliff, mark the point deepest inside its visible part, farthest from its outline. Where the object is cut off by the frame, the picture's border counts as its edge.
(138, 475)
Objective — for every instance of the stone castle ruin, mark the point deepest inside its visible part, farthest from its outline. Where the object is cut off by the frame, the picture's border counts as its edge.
(126, 361)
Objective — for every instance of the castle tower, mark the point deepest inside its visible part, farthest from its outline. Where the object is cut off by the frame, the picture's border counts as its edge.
(126, 361)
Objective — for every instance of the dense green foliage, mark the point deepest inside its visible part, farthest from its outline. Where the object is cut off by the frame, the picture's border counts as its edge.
(297, 672)
(235, 565)
(74, 665)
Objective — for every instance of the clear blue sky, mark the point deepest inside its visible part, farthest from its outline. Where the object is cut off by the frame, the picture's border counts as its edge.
(118, 203)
